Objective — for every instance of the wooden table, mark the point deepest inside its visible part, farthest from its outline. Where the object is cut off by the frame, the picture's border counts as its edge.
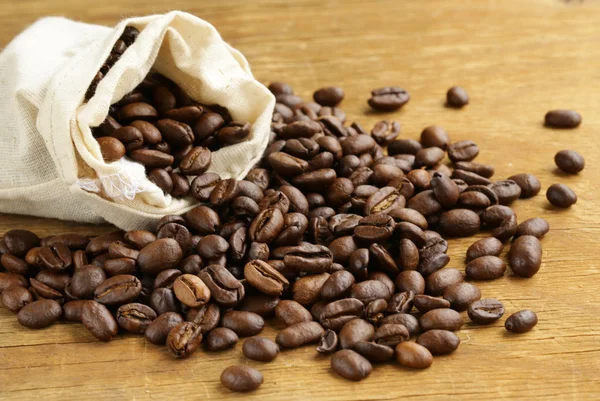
(517, 59)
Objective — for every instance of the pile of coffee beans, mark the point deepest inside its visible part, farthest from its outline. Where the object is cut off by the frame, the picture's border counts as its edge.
(342, 244)
(161, 127)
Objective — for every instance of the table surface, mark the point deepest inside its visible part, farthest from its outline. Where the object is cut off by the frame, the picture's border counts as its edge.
(517, 59)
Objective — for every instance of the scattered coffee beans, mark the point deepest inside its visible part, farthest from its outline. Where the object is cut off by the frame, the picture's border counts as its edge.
(561, 196)
(562, 119)
(521, 322)
(241, 378)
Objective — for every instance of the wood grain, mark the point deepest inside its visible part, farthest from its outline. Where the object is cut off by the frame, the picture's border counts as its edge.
(517, 59)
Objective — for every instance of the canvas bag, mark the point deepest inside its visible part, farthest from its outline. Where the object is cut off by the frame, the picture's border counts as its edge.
(51, 165)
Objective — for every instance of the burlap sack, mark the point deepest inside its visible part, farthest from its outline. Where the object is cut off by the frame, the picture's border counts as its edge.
(50, 164)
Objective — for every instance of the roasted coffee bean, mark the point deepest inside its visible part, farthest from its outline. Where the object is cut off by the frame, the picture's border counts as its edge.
(309, 258)
(114, 267)
(403, 146)
(307, 289)
(16, 297)
(525, 256)
(428, 157)
(135, 317)
(39, 314)
(152, 158)
(337, 285)
(459, 223)
(370, 290)
(442, 319)
(183, 339)
(529, 184)
(71, 241)
(569, 161)
(32, 257)
(401, 302)
(483, 170)
(159, 329)
(72, 310)
(351, 365)
(383, 174)
(11, 279)
(462, 151)
(434, 136)
(98, 320)
(275, 199)
(485, 311)
(457, 97)
(375, 353)
(473, 200)
(470, 178)
(329, 96)
(56, 257)
(280, 88)
(260, 304)
(111, 148)
(562, 119)
(521, 322)
(410, 280)
(266, 226)
(561, 196)
(388, 98)
(212, 247)
(79, 259)
(374, 311)
(192, 264)
(354, 331)
(328, 342)
(337, 313)
(191, 291)
(118, 290)
(536, 226)
(507, 191)
(300, 129)
(374, 228)
(413, 355)
(163, 254)
(196, 161)
(385, 279)
(207, 126)
(14, 264)
(163, 300)
(506, 229)
(221, 339)
(41, 290)
(244, 324)
(461, 295)
(291, 312)
(445, 190)
(137, 111)
(391, 334)
(425, 203)
(139, 238)
(404, 319)
(384, 132)
(120, 249)
(420, 179)
(241, 378)
(234, 132)
(224, 288)
(439, 342)
(409, 255)
(495, 215)
(206, 317)
(426, 303)
(299, 334)
(489, 246)
(265, 278)
(429, 264)
(383, 201)
(85, 280)
(19, 242)
(202, 220)
(260, 349)
(161, 179)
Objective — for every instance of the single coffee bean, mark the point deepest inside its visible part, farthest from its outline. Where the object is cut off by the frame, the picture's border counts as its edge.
(483, 170)
(71, 241)
(536, 226)
(391, 334)
(443, 319)
(495, 215)
(234, 132)
(163, 254)
(329, 96)
(241, 378)
(562, 119)
(162, 179)
(434, 136)
(85, 280)
(244, 324)
(56, 257)
(525, 256)
(507, 191)
(485, 268)
(111, 148)
(266, 226)
(139, 238)
(410, 280)
(384, 132)
(260, 349)
(425, 203)
(426, 303)
(409, 255)
(370, 290)
(184, 339)
(438, 282)
(388, 98)
(461, 295)
(355, 330)
(473, 200)
(191, 291)
(152, 158)
(530, 185)
(309, 258)
(135, 317)
(463, 151)
(561, 196)
(404, 146)
(206, 317)
(265, 278)
(457, 97)
(337, 285)
(98, 320)
(459, 223)
(185, 114)
(569, 161)
(485, 311)
(72, 310)
(14, 264)
(328, 342)
(413, 355)
(299, 334)
(506, 229)
(439, 342)
(445, 190)
(12, 279)
(262, 305)
(307, 289)
(196, 162)
(291, 312)
(489, 246)
(163, 300)
(118, 290)
(224, 288)
(19, 242)
(337, 313)
(375, 353)
(383, 201)
(120, 249)
(41, 290)
(16, 297)
(470, 178)
(521, 322)
(39, 314)
(351, 365)
(409, 321)
(159, 329)
(221, 339)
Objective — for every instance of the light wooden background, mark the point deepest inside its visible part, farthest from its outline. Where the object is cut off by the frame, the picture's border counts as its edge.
(517, 59)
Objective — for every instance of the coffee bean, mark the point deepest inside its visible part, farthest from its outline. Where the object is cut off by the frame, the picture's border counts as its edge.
(72, 241)
(560, 195)
(241, 378)
(244, 324)
(521, 322)
(562, 119)
(443, 319)
(409, 321)
(11, 279)
(152, 158)
(507, 191)
(463, 151)
(118, 290)
(375, 353)
(536, 226)
(281, 88)
(495, 215)
(206, 317)
(14, 264)
(139, 238)
(329, 96)
(413, 355)
(439, 342)
(459, 223)
(265, 278)
(409, 255)
(484, 170)
(39, 314)
(72, 310)
(506, 229)
(19, 242)
(337, 285)
(135, 317)
(224, 288)
(309, 258)
(98, 320)
(15, 298)
(426, 303)
(183, 339)
(191, 291)
(85, 280)
(159, 329)
(370, 290)
(260, 349)
(291, 312)
(425, 203)
(163, 300)
(383, 201)
(337, 313)
(434, 136)
(445, 190)
(388, 98)
(525, 256)
(569, 161)
(163, 254)
(385, 132)
(221, 339)
(266, 226)
(530, 185)
(111, 148)
(401, 302)
(391, 334)
(307, 289)
(470, 178)
(485, 311)
(485, 268)
(457, 97)
(461, 295)
(353, 331)
(299, 334)
(351, 365)
(489, 246)
(328, 342)
(234, 132)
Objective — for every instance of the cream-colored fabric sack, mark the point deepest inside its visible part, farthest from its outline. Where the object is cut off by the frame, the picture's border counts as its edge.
(51, 165)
